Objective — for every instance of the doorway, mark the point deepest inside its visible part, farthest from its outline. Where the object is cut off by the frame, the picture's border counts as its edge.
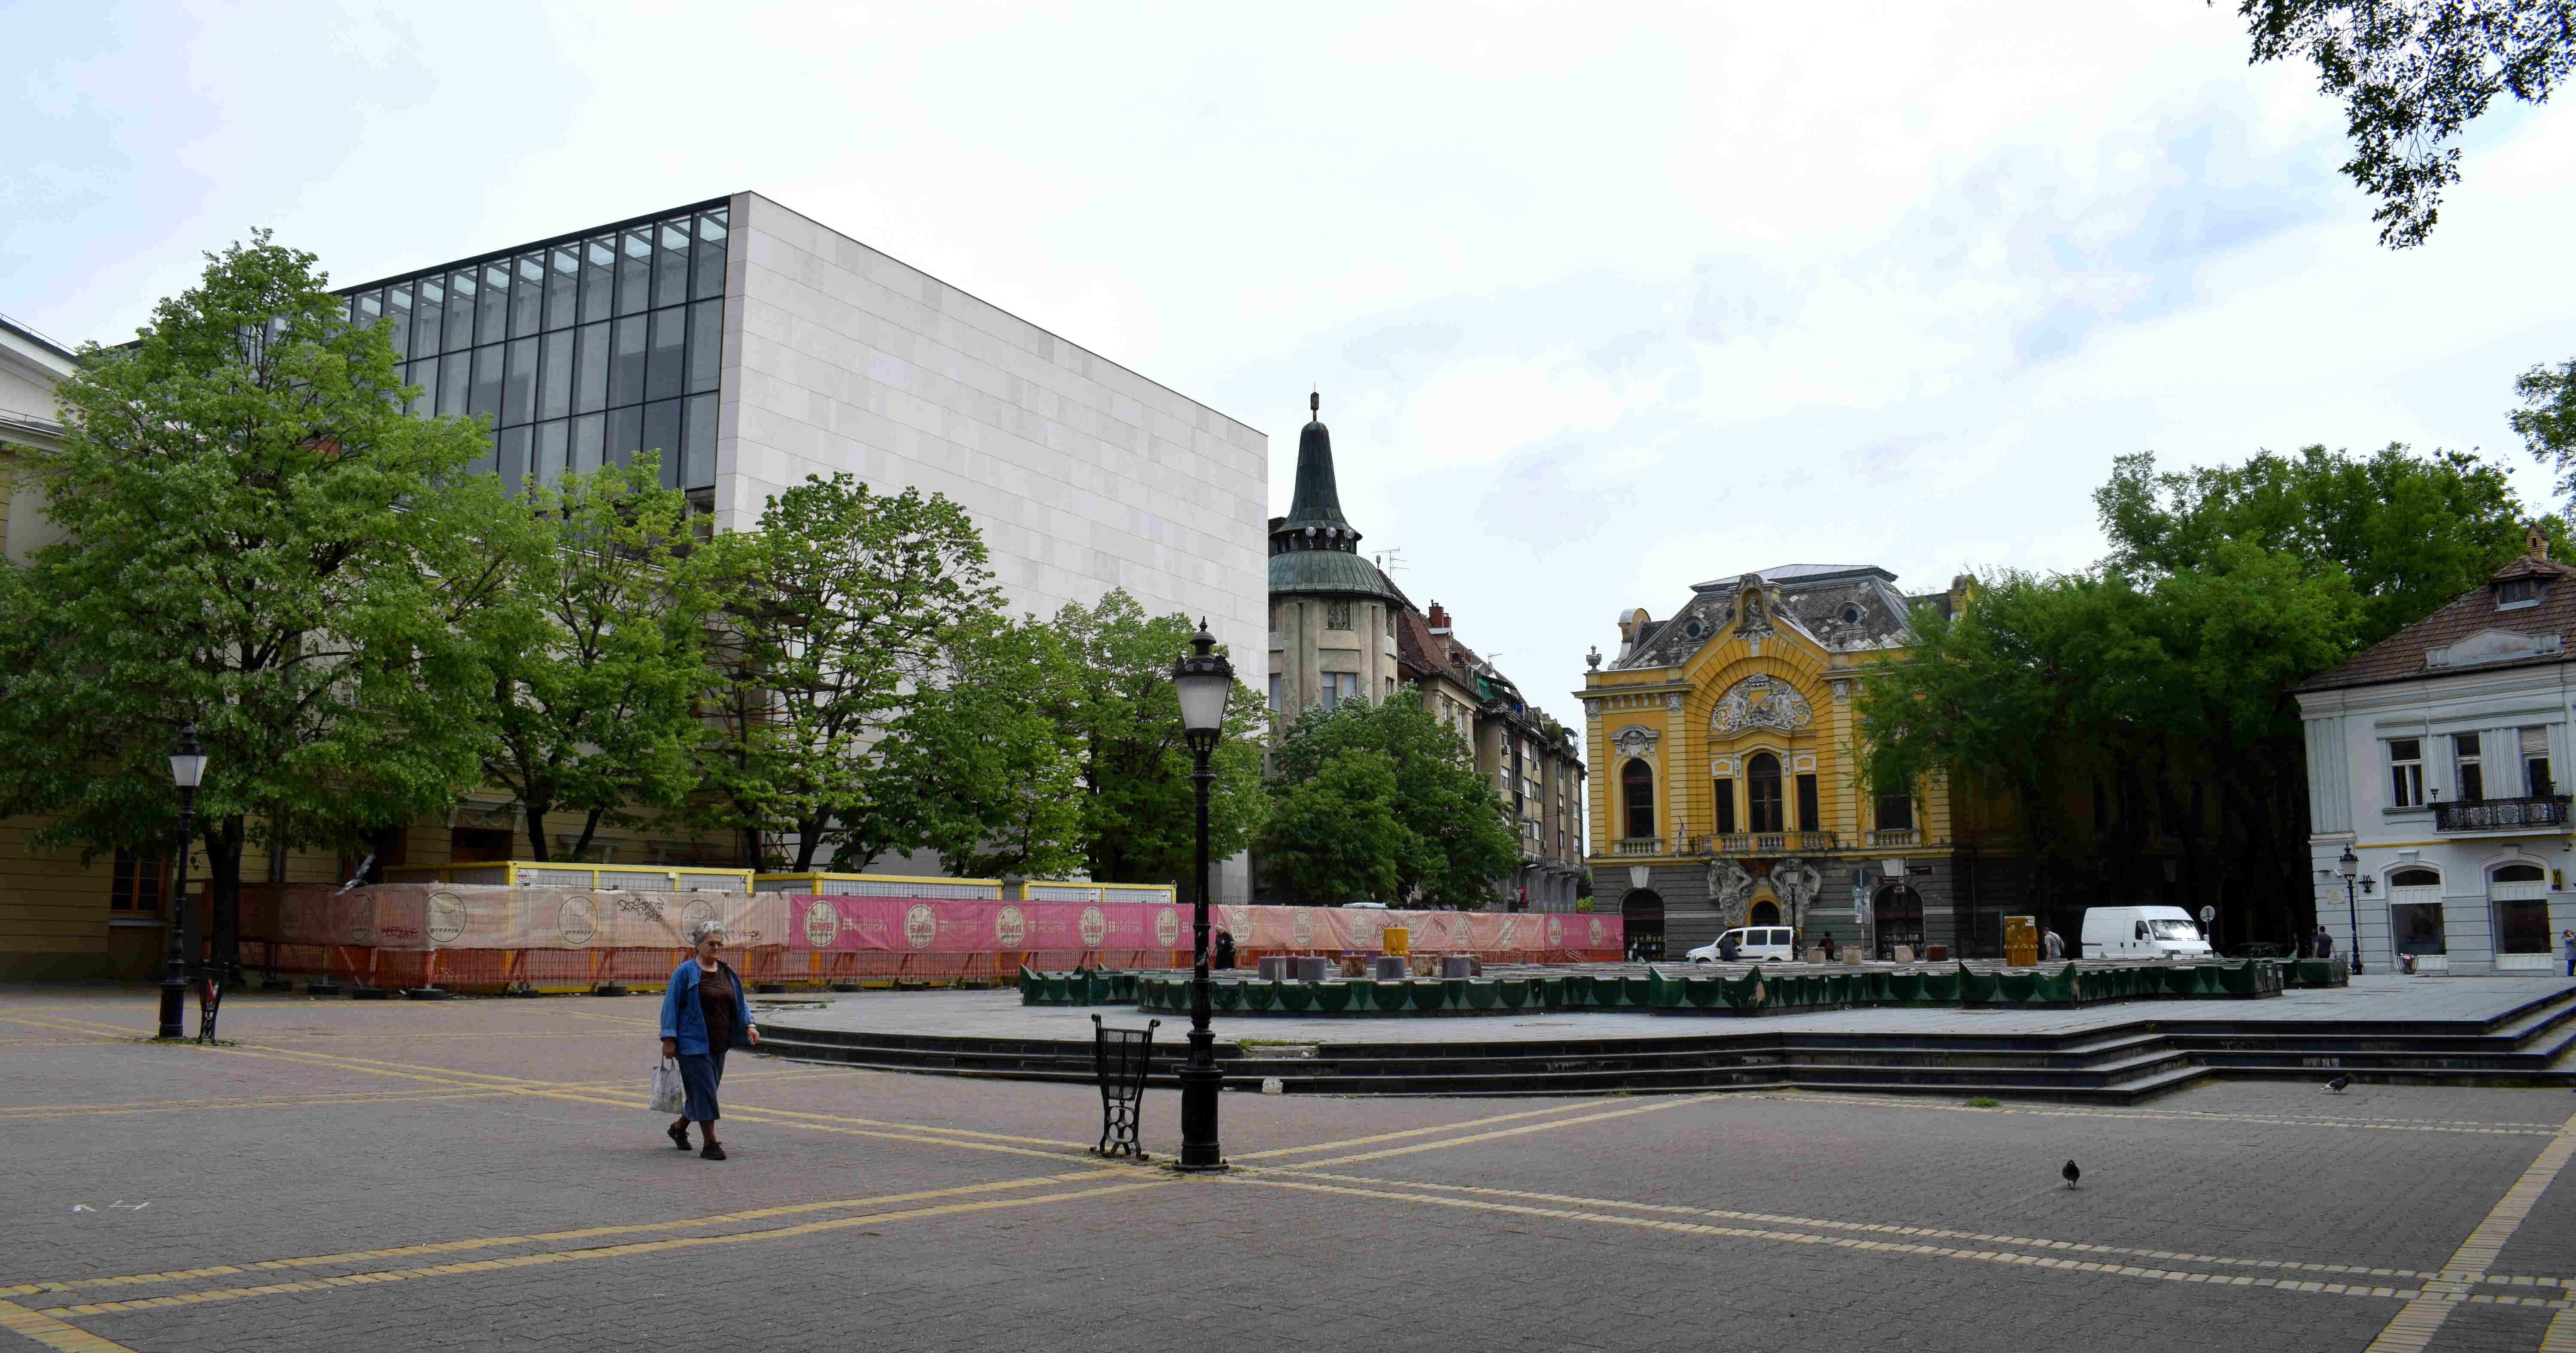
(1641, 914)
(1765, 912)
(1898, 912)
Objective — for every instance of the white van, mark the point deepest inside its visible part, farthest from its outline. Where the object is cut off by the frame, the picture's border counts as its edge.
(1776, 944)
(2143, 932)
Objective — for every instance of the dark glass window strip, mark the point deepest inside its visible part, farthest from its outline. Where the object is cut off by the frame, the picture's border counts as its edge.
(639, 371)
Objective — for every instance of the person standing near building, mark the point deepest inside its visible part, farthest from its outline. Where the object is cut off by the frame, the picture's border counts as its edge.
(2051, 945)
(1224, 951)
(2568, 939)
(2321, 944)
(704, 1012)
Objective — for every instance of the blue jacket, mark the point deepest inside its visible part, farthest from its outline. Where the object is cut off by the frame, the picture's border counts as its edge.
(684, 1021)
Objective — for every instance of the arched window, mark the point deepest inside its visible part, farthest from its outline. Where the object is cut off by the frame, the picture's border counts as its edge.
(2417, 877)
(1637, 788)
(1762, 792)
(2518, 873)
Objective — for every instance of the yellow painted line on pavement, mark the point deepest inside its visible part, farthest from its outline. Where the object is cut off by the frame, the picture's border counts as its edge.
(52, 1333)
(549, 1237)
(2560, 1337)
(2281, 1120)
(1656, 1107)
(587, 1254)
(416, 1097)
(1852, 1243)
(1894, 1228)
(1566, 1107)
(2413, 1328)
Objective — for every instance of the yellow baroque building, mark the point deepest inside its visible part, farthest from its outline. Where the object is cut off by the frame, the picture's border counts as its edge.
(1725, 785)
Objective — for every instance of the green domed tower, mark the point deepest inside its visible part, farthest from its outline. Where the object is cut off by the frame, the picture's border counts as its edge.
(1332, 612)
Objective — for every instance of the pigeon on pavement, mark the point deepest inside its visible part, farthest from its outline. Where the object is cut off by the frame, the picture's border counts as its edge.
(2338, 1083)
(2072, 1174)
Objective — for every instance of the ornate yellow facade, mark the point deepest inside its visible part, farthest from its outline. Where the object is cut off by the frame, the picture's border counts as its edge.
(1725, 792)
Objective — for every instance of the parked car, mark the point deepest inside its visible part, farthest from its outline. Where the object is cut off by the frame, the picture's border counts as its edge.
(2143, 932)
(1777, 943)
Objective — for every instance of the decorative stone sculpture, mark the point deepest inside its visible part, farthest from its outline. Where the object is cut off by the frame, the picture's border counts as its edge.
(1797, 882)
(1730, 886)
(1761, 701)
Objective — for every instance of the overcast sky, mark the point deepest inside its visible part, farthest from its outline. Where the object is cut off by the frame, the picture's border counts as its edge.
(1603, 300)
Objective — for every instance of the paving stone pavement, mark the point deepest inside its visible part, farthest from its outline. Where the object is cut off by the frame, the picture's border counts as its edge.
(481, 1174)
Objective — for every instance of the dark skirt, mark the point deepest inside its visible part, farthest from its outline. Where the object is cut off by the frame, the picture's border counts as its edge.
(699, 1074)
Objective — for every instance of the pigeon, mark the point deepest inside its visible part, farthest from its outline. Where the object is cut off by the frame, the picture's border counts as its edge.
(2072, 1174)
(2338, 1083)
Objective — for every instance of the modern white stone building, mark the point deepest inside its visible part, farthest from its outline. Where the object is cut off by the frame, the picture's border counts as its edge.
(2436, 757)
(754, 346)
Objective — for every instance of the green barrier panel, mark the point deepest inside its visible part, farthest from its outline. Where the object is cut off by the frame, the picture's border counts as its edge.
(1481, 993)
(1749, 992)
(2241, 980)
(1391, 995)
(1838, 989)
(1454, 991)
(1428, 993)
(1609, 993)
(1941, 985)
(1975, 988)
(1786, 991)
(1640, 991)
(1662, 993)
(1225, 995)
(1028, 986)
(1550, 993)
(1259, 994)
(2015, 988)
(2058, 988)
(1513, 992)
(1906, 987)
(1297, 996)
(1578, 990)
(1331, 998)
(1701, 993)
(1051, 989)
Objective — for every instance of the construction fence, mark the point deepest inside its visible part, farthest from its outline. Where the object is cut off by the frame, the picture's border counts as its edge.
(463, 936)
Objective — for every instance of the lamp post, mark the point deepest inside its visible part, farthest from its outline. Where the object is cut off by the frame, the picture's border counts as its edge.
(187, 769)
(2348, 866)
(1204, 680)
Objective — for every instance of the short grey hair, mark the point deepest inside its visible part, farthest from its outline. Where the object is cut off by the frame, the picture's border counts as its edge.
(703, 929)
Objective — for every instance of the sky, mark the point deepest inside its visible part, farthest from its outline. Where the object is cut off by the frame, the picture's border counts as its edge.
(1602, 301)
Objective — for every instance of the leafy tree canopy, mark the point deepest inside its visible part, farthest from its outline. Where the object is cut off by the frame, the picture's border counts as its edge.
(1138, 813)
(2412, 74)
(2410, 531)
(597, 652)
(261, 542)
(1456, 835)
(2547, 420)
(985, 764)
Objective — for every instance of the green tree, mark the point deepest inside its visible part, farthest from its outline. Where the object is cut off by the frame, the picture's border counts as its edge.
(1337, 835)
(2410, 531)
(259, 541)
(1456, 835)
(597, 652)
(1138, 815)
(2412, 74)
(2547, 420)
(991, 773)
(831, 616)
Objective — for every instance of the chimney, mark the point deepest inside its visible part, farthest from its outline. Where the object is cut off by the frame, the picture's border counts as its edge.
(1961, 588)
(2535, 542)
(1439, 619)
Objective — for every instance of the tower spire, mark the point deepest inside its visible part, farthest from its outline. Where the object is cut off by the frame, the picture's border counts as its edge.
(1318, 502)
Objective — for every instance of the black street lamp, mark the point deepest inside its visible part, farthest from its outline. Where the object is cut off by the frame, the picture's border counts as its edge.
(2348, 866)
(1204, 680)
(187, 770)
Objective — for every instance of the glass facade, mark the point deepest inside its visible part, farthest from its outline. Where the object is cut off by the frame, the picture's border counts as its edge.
(581, 351)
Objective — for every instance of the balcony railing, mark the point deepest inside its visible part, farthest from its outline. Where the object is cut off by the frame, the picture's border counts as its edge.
(2501, 815)
(1896, 836)
(1638, 845)
(1773, 843)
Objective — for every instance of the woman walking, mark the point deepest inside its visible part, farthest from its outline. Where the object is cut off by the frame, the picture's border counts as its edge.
(704, 1012)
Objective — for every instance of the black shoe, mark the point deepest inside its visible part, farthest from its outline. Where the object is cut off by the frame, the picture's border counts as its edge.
(713, 1152)
(679, 1135)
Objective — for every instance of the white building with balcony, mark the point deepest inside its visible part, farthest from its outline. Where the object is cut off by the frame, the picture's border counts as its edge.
(2435, 756)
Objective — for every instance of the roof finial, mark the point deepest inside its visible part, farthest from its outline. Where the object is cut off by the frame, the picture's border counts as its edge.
(1315, 404)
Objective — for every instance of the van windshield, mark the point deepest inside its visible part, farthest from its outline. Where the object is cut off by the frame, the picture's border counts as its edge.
(2173, 930)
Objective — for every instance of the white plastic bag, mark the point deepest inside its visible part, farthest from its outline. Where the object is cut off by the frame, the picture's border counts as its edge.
(668, 1094)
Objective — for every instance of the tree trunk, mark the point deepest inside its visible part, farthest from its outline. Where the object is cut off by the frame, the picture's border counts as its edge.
(223, 892)
(589, 829)
(535, 814)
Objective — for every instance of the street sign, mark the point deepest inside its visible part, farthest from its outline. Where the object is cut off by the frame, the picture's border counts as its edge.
(2208, 914)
